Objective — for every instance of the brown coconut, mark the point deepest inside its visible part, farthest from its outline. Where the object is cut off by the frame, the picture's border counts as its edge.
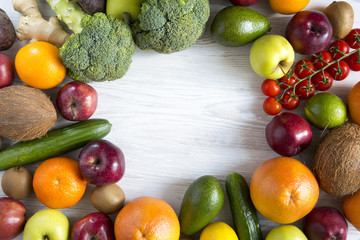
(25, 113)
(336, 162)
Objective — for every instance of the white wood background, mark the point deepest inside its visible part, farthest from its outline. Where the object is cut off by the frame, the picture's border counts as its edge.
(180, 116)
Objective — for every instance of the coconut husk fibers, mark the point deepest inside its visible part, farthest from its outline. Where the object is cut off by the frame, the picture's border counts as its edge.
(25, 113)
(336, 162)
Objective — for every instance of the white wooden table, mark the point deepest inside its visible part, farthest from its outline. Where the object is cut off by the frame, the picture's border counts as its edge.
(180, 116)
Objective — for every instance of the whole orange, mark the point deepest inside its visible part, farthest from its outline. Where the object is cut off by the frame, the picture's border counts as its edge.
(353, 101)
(351, 208)
(283, 189)
(147, 218)
(58, 183)
(288, 7)
(39, 65)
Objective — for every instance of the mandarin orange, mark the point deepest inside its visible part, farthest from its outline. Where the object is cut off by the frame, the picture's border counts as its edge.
(353, 102)
(351, 208)
(288, 7)
(39, 65)
(58, 183)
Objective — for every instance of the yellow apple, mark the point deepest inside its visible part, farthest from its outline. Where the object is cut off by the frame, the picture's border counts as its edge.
(117, 8)
(271, 56)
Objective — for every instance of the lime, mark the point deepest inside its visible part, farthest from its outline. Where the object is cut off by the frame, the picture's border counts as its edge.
(218, 231)
(325, 111)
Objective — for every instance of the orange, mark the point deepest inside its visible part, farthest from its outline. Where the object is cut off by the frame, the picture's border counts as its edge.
(58, 183)
(39, 65)
(288, 7)
(284, 190)
(353, 101)
(147, 218)
(351, 208)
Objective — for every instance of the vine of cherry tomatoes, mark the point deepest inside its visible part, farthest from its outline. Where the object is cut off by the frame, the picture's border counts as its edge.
(316, 74)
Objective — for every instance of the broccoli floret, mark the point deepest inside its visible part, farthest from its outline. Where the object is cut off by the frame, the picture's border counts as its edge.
(102, 51)
(169, 26)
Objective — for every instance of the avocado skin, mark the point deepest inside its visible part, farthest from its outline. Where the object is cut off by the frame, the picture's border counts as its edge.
(202, 202)
(235, 26)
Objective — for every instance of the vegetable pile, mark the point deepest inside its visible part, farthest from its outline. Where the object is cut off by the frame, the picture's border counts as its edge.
(101, 47)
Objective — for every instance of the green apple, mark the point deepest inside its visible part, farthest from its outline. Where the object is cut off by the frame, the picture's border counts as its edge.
(50, 224)
(117, 8)
(271, 56)
(286, 232)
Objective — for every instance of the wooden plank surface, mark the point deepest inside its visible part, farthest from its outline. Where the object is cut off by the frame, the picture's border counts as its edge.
(192, 113)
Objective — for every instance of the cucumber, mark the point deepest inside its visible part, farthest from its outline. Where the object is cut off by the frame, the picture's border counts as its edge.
(54, 143)
(244, 214)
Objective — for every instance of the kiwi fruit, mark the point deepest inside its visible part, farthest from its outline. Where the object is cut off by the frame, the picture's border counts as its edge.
(17, 183)
(108, 198)
(341, 17)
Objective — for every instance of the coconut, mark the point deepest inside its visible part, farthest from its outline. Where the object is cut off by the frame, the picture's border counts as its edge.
(336, 162)
(25, 113)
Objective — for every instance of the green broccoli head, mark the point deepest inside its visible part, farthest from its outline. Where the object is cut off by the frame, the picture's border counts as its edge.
(169, 26)
(101, 52)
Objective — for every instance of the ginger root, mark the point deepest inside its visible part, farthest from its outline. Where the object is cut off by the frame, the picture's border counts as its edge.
(34, 27)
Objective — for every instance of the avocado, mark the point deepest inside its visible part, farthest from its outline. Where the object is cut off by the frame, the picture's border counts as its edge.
(202, 202)
(235, 26)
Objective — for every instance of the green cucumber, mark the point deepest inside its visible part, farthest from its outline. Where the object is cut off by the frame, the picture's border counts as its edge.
(243, 212)
(54, 143)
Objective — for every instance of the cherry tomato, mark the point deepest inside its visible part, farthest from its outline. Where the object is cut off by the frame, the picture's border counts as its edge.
(322, 81)
(271, 106)
(353, 38)
(305, 89)
(288, 79)
(354, 61)
(339, 70)
(270, 88)
(304, 68)
(338, 48)
(321, 59)
(290, 100)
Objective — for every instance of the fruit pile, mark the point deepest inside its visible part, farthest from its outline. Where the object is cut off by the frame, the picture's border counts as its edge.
(316, 74)
(283, 189)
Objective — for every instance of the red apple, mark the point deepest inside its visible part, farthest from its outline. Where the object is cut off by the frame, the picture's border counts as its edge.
(288, 134)
(93, 226)
(243, 2)
(325, 223)
(309, 32)
(77, 101)
(101, 162)
(12, 218)
(6, 70)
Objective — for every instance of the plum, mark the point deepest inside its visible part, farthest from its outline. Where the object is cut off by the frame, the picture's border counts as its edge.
(325, 223)
(7, 31)
(6, 70)
(243, 2)
(92, 6)
(288, 134)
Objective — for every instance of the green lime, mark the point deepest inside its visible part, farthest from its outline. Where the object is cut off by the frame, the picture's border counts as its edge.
(235, 26)
(326, 111)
